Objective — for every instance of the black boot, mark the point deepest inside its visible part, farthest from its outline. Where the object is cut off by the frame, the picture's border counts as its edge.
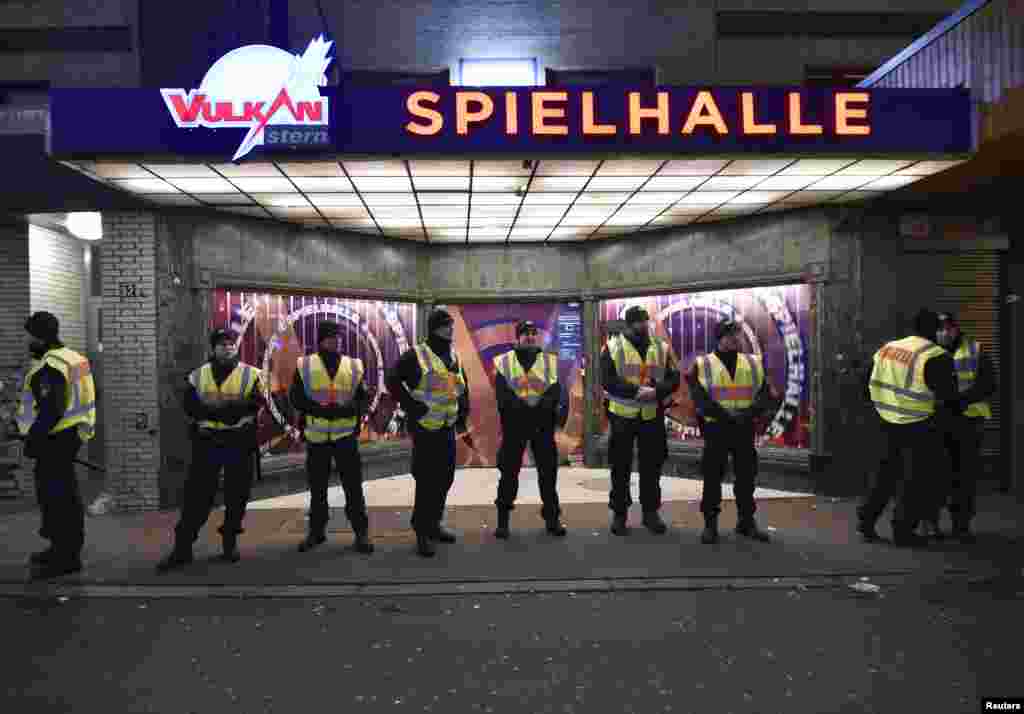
(619, 525)
(654, 523)
(931, 529)
(443, 535)
(748, 527)
(362, 543)
(178, 558)
(58, 565)
(867, 531)
(962, 532)
(42, 557)
(425, 546)
(230, 552)
(554, 526)
(313, 539)
(709, 535)
(502, 530)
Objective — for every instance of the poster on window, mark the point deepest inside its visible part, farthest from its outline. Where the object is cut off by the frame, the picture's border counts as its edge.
(482, 332)
(775, 323)
(276, 329)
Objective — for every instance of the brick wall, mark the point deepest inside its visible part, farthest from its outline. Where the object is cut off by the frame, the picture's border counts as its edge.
(129, 359)
(14, 296)
(57, 270)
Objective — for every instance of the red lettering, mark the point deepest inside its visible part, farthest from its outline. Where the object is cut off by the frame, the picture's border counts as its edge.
(253, 111)
(311, 110)
(190, 112)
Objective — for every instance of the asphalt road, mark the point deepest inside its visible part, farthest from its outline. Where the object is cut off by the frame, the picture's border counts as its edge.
(935, 648)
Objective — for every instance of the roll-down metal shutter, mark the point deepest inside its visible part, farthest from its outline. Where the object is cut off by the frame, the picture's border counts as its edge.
(968, 285)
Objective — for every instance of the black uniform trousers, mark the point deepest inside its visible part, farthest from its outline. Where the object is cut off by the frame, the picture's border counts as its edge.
(652, 446)
(61, 511)
(345, 455)
(907, 471)
(962, 441)
(514, 441)
(433, 470)
(722, 439)
(212, 455)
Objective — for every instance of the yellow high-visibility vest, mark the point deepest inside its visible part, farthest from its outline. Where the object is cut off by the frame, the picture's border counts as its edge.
(238, 385)
(79, 395)
(898, 389)
(965, 361)
(733, 394)
(636, 370)
(528, 386)
(323, 390)
(439, 388)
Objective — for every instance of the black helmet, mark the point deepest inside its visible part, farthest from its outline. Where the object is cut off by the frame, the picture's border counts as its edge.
(636, 314)
(439, 317)
(44, 326)
(326, 329)
(524, 326)
(221, 334)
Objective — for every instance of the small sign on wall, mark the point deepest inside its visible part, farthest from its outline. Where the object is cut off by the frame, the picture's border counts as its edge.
(130, 290)
(915, 226)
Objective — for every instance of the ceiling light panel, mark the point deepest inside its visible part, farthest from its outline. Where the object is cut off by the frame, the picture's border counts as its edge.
(351, 212)
(253, 170)
(873, 167)
(730, 183)
(547, 199)
(497, 183)
(566, 168)
(398, 183)
(396, 212)
(264, 185)
(839, 183)
(443, 199)
(203, 185)
(888, 183)
(322, 184)
(530, 233)
(616, 183)
(673, 183)
(557, 183)
(438, 168)
(499, 199)
(696, 167)
(926, 168)
(614, 198)
(627, 167)
(787, 183)
(377, 199)
(282, 200)
(312, 168)
(144, 185)
(654, 198)
(181, 170)
(335, 199)
(500, 168)
(375, 168)
(754, 167)
(121, 171)
(478, 211)
(815, 167)
(707, 198)
(441, 183)
(226, 198)
(758, 197)
(806, 198)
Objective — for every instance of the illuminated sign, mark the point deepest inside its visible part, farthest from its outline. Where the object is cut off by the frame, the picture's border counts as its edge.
(259, 88)
(718, 112)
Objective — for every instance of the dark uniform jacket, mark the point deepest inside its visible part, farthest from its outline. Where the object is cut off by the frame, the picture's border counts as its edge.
(764, 400)
(618, 387)
(47, 386)
(939, 377)
(517, 414)
(229, 414)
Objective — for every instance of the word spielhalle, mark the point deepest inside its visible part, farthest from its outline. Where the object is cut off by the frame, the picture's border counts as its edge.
(721, 112)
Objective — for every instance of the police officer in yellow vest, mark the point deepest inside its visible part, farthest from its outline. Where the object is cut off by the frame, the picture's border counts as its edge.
(329, 389)
(639, 375)
(56, 414)
(222, 399)
(910, 385)
(431, 386)
(976, 383)
(529, 397)
(730, 390)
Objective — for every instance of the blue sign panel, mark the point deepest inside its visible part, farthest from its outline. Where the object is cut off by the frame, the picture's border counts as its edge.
(519, 121)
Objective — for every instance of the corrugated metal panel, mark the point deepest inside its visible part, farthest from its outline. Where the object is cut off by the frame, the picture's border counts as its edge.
(968, 285)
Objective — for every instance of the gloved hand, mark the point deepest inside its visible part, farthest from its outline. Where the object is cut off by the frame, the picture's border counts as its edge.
(418, 411)
(31, 449)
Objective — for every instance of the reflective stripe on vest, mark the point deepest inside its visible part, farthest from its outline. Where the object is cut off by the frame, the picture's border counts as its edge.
(636, 370)
(965, 361)
(238, 385)
(898, 390)
(733, 394)
(79, 397)
(439, 389)
(323, 390)
(528, 386)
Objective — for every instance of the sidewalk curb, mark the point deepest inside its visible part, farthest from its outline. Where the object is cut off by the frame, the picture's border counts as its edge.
(811, 581)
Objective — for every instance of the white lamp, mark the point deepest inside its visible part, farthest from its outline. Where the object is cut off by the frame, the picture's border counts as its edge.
(86, 225)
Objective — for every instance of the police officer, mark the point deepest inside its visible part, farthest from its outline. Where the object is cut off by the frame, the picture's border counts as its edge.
(431, 386)
(975, 377)
(56, 414)
(910, 382)
(529, 396)
(329, 389)
(730, 390)
(222, 399)
(639, 374)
